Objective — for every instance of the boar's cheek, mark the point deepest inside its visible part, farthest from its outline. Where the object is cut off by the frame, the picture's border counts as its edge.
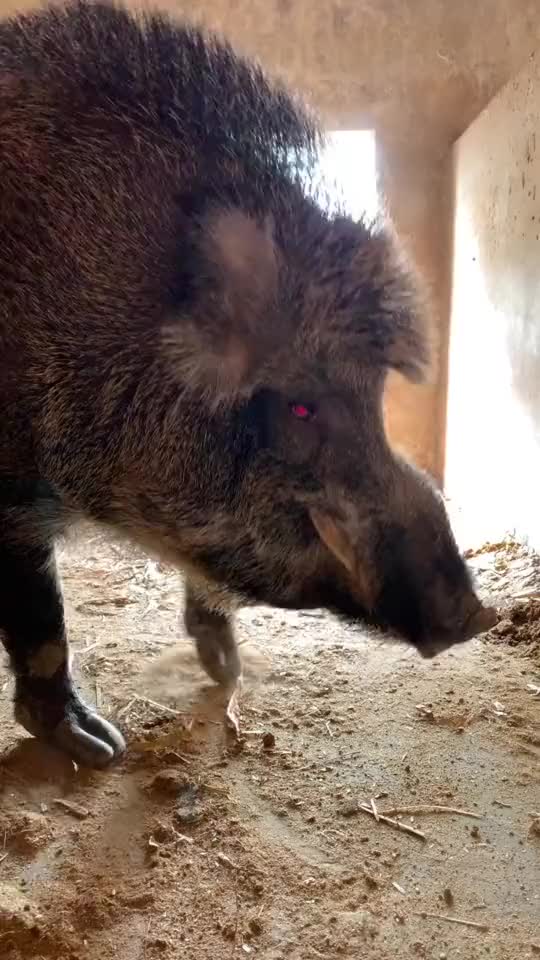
(335, 536)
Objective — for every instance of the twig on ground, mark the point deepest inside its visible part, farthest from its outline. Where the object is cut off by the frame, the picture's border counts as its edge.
(159, 706)
(181, 838)
(232, 712)
(91, 646)
(74, 809)
(430, 808)
(126, 708)
(3, 857)
(237, 919)
(180, 757)
(382, 818)
(462, 923)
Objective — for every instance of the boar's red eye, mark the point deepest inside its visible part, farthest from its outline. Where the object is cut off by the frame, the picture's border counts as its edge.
(301, 411)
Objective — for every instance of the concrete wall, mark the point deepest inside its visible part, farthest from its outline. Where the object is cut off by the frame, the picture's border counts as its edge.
(493, 452)
(416, 72)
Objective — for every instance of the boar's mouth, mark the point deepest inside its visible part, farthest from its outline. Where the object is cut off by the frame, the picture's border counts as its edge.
(428, 646)
(480, 621)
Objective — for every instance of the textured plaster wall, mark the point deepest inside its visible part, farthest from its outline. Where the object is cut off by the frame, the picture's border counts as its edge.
(493, 458)
(416, 71)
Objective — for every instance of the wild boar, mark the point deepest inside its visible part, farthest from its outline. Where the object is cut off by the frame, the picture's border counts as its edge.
(193, 351)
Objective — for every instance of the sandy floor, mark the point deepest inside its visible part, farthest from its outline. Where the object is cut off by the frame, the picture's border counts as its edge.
(198, 847)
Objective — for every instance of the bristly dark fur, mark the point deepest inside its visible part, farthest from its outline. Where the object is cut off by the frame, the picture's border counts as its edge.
(170, 287)
(190, 128)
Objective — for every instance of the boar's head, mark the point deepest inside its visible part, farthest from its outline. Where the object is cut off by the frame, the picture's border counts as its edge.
(297, 318)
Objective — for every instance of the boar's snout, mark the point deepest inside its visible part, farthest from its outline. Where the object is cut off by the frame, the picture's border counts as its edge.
(484, 619)
(406, 575)
(479, 621)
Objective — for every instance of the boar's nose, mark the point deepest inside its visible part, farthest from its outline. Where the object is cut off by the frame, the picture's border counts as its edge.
(481, 620)
(484, 619)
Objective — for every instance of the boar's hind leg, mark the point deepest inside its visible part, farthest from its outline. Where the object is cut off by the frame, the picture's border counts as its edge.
(33, 632)
(214, 638)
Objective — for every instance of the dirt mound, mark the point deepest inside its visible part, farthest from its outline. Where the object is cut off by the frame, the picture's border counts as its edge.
(520, 628)
(509, 547)
(24, 832)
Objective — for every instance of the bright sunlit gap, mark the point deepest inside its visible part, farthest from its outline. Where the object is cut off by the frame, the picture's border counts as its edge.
(349, 163)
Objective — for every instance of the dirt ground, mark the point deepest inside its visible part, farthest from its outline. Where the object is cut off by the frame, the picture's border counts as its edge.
(198, 847)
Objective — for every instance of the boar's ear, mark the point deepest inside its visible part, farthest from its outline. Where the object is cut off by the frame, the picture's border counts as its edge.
(393, 319)
(220, 348)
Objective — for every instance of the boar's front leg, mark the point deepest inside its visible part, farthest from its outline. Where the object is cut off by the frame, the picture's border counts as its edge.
(214, 639)
(33, 632)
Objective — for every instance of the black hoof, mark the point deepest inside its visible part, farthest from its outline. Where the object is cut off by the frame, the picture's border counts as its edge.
(84, 736)
(89, 739)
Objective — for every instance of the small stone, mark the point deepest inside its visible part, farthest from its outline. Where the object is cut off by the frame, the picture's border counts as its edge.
(448, 897)
(269, 741)
(169, 782)
(371, 882)
(189, 809)
(226, 861)
(138, 901)
(534, 829)
(255, 926)
(186, 815)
